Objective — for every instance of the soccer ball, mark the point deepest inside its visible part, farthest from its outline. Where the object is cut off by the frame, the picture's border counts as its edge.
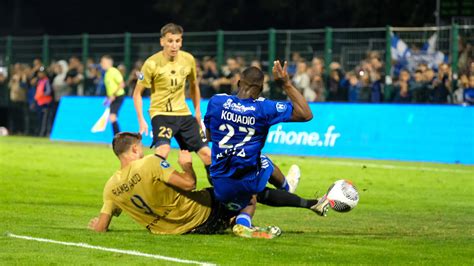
(3, 131)
(343, 196)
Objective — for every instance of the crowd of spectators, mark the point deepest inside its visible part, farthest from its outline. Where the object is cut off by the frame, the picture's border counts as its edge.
(34, 91)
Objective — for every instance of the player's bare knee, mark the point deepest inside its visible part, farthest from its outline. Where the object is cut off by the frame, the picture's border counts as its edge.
(112, 118)
(205, 155)
(163, 150)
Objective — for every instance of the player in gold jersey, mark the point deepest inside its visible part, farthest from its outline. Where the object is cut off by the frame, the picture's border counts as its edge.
(162, 199)
(165, 74)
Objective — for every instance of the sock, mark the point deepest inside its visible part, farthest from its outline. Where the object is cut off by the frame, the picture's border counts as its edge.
(208, 174)
(281, 198)
(285, 186)
(244, 219)
(115, 127)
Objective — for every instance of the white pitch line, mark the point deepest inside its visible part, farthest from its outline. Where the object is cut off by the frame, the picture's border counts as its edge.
(390, 166)
(128, 252)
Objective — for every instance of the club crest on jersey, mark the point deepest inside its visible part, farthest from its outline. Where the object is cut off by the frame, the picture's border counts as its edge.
(140, 76)
(237, 107)
(165, 164)
(281, 107)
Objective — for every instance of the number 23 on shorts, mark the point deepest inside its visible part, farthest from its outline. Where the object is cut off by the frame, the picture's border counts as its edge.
(165, 132)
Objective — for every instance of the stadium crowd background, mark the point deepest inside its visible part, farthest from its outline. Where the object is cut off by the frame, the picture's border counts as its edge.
(364, 83)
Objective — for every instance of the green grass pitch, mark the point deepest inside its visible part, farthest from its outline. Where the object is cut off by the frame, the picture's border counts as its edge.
(409, 213)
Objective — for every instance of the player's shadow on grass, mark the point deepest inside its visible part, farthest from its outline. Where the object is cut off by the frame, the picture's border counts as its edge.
(85, 229)
(295, 232)
(54, 204)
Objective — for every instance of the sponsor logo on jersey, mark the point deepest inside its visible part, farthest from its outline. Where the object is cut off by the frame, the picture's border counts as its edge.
(227, 104)
(141, 76)
(165, 164)
(281, 107)
(237, 107)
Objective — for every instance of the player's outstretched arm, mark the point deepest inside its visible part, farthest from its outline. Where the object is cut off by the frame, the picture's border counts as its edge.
(138, 102)
(187, 180)
(301, 110)
(101, 223)
(195, 94)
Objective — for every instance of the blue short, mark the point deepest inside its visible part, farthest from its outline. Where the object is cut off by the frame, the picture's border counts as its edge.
(236, 194)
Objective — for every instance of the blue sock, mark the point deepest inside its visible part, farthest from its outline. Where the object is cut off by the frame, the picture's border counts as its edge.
(244, 219)
(285, 186)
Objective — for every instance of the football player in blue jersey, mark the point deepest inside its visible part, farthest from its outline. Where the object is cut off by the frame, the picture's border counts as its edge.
(238, 127)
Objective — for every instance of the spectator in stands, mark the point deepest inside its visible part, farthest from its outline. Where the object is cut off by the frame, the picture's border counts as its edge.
(365, 86)
(123, 69)
(33, 124)
(32, 79)
(429, 76)
(92, 77)
(256, 63)
(374, 69)
(338, 90)
(302, 81)
(458, 94)
(466, 55)
(19, 115)
(468, 94)
(37, 64)
(133, 78)
(422, 67)
(60, 88)
(43, 98)
(316, 75)
(209, 75)
(74, 76)
(354, 87)
(59, 84)
(3, 86)
(317, 67)
(442, 85)
(241, 62)
(402, 91)
(295, 58)
(224, 83)
(465, 93)
(418, 87)
(234, 83)
(318, 86)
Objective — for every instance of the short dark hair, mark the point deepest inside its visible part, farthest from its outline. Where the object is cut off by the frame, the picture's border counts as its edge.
(171, 28)
(107, 56)
(124, 140)
(253, 76)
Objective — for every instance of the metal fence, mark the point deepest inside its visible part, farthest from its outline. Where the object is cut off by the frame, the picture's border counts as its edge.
(346, 46)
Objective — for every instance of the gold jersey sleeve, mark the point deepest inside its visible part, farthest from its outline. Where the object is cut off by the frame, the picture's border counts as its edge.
(167, 82)
(141, 191)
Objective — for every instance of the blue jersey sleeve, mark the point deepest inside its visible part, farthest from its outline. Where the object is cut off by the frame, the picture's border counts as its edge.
(207, 117)
(277, 112)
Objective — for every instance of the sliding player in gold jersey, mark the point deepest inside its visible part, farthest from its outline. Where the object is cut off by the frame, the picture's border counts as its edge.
(160, 198)
(164, 201)
(165, 74)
